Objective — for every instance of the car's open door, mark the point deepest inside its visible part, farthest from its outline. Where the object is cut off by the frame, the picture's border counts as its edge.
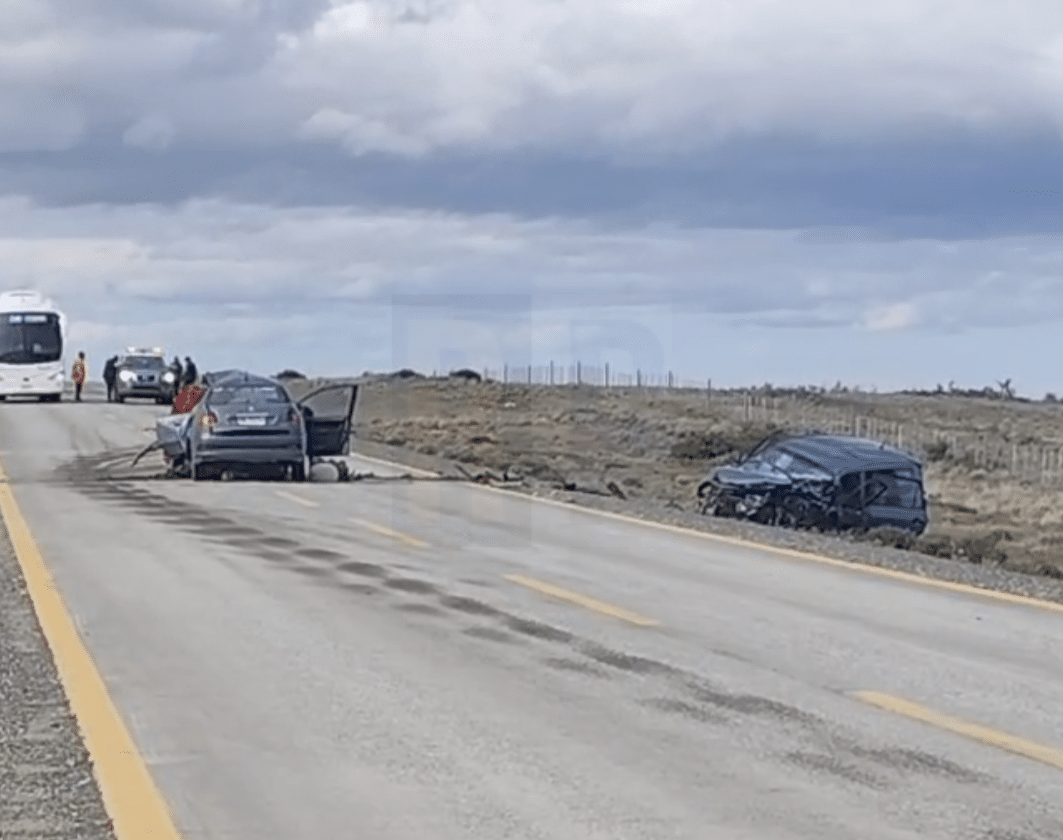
(329, 413)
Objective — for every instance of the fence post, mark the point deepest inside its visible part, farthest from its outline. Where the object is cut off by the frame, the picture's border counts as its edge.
(505, 373)
(607, 374)
(551, 371)
(579, 373)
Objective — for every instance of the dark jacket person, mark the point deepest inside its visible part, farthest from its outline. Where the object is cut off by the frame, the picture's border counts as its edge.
(191, 374)
(110, 375)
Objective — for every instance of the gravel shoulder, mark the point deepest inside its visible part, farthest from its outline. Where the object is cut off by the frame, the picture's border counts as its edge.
(835, 547)
(47, 786)
(590, 439)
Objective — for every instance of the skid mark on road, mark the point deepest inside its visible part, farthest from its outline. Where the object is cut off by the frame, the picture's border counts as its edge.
(582, 600)
(983, 734)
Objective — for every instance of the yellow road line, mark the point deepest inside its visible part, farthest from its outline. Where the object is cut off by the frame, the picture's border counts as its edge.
(384, 531)
(291, 497)
(133, 803)
(583, 601)
(983, 734)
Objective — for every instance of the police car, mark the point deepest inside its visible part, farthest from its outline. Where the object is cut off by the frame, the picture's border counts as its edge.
(143, 372)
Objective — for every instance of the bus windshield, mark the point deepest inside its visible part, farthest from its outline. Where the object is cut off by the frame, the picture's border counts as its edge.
(29, 338)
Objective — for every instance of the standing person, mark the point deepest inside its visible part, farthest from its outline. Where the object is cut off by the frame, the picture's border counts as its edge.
(78, 375)
(191, 374)
(110, 374)
(177, 372)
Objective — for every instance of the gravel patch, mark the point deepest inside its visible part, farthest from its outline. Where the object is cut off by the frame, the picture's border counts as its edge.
(47, 787)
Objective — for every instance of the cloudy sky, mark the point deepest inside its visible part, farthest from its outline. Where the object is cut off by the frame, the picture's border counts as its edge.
(751, 191)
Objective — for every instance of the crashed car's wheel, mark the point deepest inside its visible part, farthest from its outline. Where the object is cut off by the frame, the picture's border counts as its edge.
(297, 471)
(794, 513)
(768, 514)
(709, 496)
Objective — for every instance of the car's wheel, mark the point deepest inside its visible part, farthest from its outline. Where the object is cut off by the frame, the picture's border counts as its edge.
(119, 398)
(298, 471)
(709, 497)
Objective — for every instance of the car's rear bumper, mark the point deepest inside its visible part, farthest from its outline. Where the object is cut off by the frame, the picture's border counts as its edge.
(217, 450)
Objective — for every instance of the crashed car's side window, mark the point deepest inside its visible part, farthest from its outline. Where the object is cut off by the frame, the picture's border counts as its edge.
(889, 489)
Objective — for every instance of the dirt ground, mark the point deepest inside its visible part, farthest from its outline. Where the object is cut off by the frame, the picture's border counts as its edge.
(650, 448)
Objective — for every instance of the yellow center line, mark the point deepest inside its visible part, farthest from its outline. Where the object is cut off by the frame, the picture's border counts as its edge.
(582, 600)
(986, 735)
(133, 802)
(291, 497)
(384, 531)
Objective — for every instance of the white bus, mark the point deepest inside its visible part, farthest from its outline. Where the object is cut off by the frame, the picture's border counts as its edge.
(32, 335)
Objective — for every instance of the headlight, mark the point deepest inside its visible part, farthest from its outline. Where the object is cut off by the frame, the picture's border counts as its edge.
(57, 375)
(168, 376)
(126, 375)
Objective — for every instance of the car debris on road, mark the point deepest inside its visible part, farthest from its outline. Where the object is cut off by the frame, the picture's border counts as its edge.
(820, 481)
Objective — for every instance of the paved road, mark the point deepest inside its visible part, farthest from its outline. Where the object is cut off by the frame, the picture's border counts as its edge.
(411, 660)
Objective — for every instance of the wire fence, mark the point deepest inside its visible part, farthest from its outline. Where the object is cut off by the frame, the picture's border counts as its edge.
(1040, 462)
(584, 374)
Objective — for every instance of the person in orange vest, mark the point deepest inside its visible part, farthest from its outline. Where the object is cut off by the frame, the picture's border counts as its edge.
(78, 374)
(187, 399)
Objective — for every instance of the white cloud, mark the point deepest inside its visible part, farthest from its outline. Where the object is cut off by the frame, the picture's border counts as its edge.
(893, 316)
(276, 262)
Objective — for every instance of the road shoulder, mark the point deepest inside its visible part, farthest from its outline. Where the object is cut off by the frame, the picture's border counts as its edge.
(47, 786)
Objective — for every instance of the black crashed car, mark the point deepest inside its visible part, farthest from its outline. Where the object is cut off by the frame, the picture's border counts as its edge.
(821, 481)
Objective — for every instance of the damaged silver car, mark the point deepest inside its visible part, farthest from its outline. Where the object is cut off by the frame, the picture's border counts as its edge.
(248, 425)
(820, 481)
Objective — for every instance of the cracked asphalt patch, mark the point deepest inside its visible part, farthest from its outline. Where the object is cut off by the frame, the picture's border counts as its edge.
(47, 787)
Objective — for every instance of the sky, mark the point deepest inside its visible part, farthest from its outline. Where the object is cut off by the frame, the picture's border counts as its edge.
(748, 191)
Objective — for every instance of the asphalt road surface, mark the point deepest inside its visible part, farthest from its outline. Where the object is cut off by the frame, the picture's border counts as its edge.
(402, 660)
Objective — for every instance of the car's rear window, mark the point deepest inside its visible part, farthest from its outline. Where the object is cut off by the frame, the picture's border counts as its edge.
(254, 394)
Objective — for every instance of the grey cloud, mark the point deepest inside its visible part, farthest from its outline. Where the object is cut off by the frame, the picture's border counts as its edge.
(623, 81)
